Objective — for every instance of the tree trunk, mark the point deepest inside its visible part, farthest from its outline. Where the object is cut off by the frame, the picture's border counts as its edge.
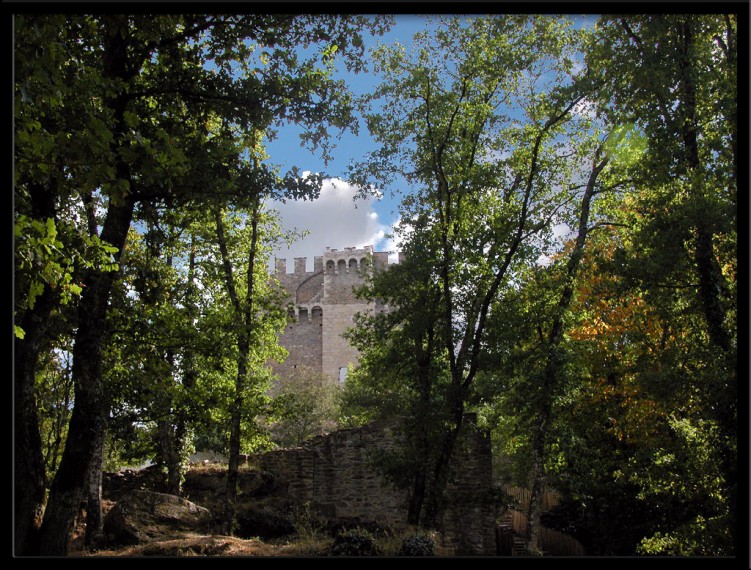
(90, 409)
(94, 520)
(176, 468)
(553, 362)
(230, 497)
(164, 447)
(417, 498)
(539, 455)
(711, 281)
(711, 285)
(424, 357)
(244, 320)
(436, 503)
(28, 468)
(534, 512)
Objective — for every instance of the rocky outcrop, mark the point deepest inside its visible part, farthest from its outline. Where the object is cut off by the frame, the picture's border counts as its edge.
(143, 516)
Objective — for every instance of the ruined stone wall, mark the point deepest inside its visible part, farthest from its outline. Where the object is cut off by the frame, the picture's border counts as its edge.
(337, 476)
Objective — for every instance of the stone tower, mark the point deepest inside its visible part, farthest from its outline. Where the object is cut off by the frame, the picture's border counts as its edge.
(324, 305)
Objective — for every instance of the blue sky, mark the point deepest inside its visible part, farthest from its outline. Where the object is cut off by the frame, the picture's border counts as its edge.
(335, 220)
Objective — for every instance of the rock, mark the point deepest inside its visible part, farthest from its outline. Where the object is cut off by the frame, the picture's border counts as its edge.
(264, 522)
(143, 516)
(200, 482)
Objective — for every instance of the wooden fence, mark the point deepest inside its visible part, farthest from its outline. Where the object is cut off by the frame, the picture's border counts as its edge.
(552, 542)
(522, 497)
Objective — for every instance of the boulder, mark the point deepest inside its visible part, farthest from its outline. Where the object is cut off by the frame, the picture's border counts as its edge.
(143, 516)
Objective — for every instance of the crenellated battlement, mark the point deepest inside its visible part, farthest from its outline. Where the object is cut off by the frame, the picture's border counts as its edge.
(336, 261)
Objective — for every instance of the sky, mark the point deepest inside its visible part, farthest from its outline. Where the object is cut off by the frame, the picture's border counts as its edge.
(335, 220)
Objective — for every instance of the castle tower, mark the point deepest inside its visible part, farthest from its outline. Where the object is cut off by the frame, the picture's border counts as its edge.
(324, 305)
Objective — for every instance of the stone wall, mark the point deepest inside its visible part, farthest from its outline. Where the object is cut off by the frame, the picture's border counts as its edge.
(336, 475)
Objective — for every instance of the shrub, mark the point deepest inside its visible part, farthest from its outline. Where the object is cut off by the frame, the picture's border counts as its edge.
(418, 545)
(354, 542)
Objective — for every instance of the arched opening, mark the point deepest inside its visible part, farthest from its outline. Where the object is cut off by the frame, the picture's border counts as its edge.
(303, 315)
(316, 314)
(329, 266)
(341, 266)
(363, 262)
(353, 265)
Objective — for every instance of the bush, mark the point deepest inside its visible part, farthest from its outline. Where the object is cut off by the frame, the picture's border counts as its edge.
(418, 545)
(264, 523)
(354, 542)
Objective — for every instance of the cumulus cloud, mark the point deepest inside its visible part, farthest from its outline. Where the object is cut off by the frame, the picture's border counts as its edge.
(333, 220)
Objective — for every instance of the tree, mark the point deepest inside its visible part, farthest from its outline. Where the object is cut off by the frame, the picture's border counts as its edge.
(682, 248)
(154, 335)
(402, 372)
(51, 249)
(307, 402)
(257, 319)
(641, 439)
(687, 107)
(475, 120)
(145, 92)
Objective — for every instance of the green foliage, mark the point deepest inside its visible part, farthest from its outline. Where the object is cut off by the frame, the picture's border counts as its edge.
(354, 542)
(494, 131)
(699, 537)
(54, 395)
(42, 259)
(418, 545)
(478, 120)
(307, 401)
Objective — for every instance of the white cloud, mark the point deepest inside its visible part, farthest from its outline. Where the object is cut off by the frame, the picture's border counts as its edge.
(333, 220)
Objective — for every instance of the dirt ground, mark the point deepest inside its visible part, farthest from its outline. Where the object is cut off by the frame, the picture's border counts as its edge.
(197, 545)
(116, 485)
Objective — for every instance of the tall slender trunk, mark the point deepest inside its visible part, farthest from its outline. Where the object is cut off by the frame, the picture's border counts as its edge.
(539, 477)
(436, 502)
(94, 519)
(175, 469)
(170, 453)
(170, 438)
(90, 408)
(711, 281)
(28, 465)
(176, 461)
(417, 497)
(422, 418)
(553, 362)
(244, 320)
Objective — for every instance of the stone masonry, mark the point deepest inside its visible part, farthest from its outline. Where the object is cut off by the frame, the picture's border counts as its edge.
(323, 306)
(337, 476)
